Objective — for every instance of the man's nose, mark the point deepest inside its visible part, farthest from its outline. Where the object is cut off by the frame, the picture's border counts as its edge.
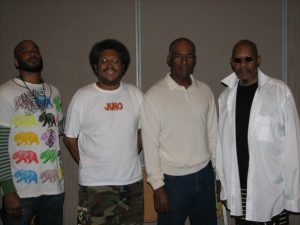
(184, 59)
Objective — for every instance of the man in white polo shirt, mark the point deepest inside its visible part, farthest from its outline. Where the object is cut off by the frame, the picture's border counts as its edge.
(179, 126)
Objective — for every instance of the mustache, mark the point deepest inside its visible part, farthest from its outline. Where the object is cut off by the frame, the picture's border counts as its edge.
(34, 57)
(244, 70)
(110, 68)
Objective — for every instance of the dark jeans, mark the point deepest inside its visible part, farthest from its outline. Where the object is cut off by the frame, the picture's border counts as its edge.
(48, 210)
(191, 196)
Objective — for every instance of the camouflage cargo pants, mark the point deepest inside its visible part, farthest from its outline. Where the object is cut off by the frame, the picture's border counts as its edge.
(111, 205)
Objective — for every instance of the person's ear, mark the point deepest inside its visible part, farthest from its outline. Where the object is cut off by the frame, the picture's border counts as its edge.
(16, 63)
(258, 60)
(95, 68)
(231, 63)
(169, 61)
(123, 70)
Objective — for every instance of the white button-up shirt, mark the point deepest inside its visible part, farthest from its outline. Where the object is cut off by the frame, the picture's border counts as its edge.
(274, 150)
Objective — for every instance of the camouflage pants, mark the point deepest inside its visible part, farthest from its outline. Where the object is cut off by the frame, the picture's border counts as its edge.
(111, 205)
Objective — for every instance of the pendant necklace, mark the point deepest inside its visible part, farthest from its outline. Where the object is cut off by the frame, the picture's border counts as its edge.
(42, 103)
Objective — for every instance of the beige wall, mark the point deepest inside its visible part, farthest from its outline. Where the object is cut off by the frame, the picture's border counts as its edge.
(66, 30)
(294, 49)
(214, 26)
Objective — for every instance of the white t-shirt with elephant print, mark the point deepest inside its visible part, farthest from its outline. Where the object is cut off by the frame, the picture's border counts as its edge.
(33, 112)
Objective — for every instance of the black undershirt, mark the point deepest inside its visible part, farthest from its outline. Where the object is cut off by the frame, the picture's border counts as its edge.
(244, 100)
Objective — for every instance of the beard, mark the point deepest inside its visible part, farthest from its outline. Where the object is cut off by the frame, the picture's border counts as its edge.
(110, 82)
(23, 65)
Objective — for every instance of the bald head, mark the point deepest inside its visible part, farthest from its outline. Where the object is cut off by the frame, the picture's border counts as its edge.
(20, 44)
(180, 40)
(245, 42)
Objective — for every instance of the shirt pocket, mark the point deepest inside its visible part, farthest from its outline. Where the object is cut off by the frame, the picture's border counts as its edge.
(265, 128)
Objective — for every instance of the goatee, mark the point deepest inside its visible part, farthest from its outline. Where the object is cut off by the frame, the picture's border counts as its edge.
(33, 69)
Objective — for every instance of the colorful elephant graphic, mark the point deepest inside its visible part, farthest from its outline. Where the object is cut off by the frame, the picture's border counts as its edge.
(27, 176)
(49, 155)
(26, 138)
(43, 101)
(57, 103)
(49, 137)
(47, 118)
(25, 156)
(24, 121)
(48, 176)
(26, 103)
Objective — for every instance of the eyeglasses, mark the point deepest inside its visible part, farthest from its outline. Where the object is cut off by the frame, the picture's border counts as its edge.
(246, 59)
(114, 62)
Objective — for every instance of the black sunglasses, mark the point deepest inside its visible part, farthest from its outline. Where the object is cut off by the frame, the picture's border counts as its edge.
(245, 59)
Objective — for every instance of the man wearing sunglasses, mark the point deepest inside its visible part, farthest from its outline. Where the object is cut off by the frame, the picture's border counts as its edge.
(259, 146)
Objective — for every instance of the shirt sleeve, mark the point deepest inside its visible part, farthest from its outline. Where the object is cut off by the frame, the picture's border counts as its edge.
(141, 102)
(6, 179)
(212, 129)
(150, 134)
(61, 118)
(291, 168)
(58, 104)
(219, 152)
(6, 111)
(61, 126)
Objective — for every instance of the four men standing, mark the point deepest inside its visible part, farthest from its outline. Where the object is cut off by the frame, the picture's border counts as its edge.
(258, 150)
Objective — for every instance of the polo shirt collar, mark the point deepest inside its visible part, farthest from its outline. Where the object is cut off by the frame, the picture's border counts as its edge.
(173, 85)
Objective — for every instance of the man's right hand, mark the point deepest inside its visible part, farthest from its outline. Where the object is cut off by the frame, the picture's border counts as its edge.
(161, 200)
(12, 203)
(218, 193)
